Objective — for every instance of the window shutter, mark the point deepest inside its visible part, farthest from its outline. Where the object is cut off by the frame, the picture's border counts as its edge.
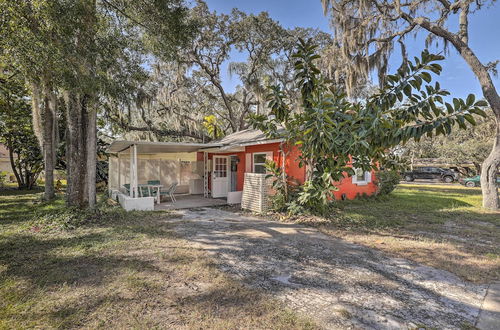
(248, 163)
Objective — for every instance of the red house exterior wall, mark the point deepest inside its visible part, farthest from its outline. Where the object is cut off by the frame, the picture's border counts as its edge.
(293, 170)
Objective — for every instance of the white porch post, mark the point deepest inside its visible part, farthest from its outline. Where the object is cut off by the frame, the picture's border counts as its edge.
(133, 171)
(205, 174)
(119, 171)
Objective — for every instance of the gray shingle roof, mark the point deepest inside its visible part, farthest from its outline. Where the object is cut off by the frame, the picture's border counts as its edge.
(243, 137)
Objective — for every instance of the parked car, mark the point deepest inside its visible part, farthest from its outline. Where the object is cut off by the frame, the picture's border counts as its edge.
(475, 181)
(429, 172)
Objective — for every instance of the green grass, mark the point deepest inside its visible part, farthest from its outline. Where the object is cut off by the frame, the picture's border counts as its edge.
(422, 204)
(60, 268)
(442, 226)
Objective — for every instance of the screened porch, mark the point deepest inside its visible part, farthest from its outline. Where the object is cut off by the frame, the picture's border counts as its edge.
(144, 174)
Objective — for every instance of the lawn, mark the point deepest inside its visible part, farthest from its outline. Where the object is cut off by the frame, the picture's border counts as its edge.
(119, 270)
(437, 225)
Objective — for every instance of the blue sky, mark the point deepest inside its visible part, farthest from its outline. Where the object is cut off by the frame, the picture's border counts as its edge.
(457, 77)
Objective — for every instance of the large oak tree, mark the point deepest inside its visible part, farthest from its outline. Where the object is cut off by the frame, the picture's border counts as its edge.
(81, 52)
(366, 31)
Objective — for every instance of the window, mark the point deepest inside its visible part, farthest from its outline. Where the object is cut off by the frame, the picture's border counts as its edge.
(361, 177)
(220, 169)
(259, 162)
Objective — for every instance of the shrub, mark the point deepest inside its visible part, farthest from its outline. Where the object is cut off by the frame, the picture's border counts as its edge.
(387, 180)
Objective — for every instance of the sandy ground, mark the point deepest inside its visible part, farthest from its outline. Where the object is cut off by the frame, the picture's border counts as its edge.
(337, 283)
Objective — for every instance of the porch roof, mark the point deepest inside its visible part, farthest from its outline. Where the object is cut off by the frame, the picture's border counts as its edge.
(145, 147)
(231, 143)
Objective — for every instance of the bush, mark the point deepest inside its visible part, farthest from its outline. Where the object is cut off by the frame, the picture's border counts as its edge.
(387, 180)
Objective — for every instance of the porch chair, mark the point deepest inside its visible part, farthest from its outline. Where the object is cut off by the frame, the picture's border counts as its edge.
(144, 191)
(170, 192)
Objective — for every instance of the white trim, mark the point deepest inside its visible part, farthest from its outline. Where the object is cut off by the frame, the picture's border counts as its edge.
(229, 171)
(228, 148)
(122, 145)
(248, 162)
(367, 178)
(267, 154)
(133, 172)
(215, 193)
(239, 147)
(206, 173)
(259, 142)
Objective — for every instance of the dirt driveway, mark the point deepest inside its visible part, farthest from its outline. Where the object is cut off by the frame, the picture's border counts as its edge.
(338, 284)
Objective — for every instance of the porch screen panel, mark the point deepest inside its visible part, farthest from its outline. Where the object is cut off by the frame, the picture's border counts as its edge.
(148, 170)
(169, 172)
(186, 172)
(124, 172)
(113, 173)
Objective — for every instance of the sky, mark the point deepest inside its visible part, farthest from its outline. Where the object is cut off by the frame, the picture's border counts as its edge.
(457, 77)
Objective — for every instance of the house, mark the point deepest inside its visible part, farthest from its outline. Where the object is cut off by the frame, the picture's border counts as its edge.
(214, 170)
(5, 165)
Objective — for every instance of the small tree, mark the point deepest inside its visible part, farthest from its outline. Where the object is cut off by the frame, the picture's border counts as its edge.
(335, 135)
(16, 131)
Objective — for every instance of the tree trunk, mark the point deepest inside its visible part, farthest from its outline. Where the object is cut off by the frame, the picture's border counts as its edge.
(81, 150)
(91, 156)
(489, 172)
(19, 178)
(76, 151)
(491, 163)
(49, 139)
(45, 127)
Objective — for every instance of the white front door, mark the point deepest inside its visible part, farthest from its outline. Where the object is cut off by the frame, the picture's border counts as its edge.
(220, 176)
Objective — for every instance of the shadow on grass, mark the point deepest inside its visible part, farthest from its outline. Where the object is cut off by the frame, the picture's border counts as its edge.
(48, 261)
(33, 263)
(287, 259)
(80, 258)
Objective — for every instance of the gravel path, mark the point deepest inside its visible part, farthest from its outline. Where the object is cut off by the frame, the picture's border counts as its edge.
(338, 284)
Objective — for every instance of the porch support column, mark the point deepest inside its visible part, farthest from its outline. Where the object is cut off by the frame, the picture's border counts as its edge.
(133, 171)
(205, 174)
(119, 161)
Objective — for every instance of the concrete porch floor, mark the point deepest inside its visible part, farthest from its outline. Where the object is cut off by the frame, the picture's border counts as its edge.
(189, 202)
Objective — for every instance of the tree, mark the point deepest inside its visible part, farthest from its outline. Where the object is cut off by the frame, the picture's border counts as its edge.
(461, 146)
(26, 44)
(367, 30)
(85, 51)
(180, 94)
(16, 130)
(335, 136)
